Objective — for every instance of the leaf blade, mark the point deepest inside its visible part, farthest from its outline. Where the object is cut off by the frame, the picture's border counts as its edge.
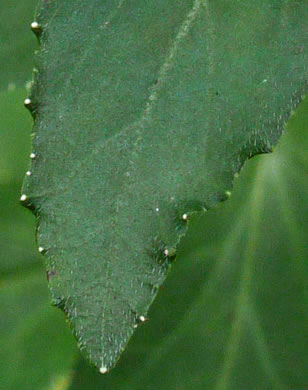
(186, 341)
(125, 180)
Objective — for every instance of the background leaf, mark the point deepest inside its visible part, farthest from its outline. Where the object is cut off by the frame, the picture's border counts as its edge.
(144, 112)
(37, 349)
(17, 45)
(233, 313)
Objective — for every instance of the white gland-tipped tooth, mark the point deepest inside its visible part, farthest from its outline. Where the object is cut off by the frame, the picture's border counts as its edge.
(103, 369)
(35, 25)
(27, 102)
(28, 173)
(23, 197)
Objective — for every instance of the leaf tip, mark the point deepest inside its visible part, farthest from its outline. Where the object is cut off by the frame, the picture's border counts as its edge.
(35, 26)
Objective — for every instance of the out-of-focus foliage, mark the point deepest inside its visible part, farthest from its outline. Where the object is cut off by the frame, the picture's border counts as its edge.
(17, 44)
(233, 313)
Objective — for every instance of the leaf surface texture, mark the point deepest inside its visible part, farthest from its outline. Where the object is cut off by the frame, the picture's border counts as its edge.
(145, 112)
(233, 312)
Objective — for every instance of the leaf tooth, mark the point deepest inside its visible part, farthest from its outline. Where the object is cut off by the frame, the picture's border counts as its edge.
(185, 216)
(23, 198)
(27, 202)
(29, 104)
(140, 320)
(30, 202)
(103, 369)
(36, 28)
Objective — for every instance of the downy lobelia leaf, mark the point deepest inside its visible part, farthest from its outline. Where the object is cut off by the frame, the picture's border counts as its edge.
(233, 313)
(144, 112)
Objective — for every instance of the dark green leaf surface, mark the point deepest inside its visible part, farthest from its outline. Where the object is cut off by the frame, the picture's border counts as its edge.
(143, 113)
(233, 313)
(37, 349)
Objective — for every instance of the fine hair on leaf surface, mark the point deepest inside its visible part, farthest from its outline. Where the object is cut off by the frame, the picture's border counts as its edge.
(143, 114)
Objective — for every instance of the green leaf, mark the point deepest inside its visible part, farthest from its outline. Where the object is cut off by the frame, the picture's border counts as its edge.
(37, 348)
(144, 113)
(233, 313)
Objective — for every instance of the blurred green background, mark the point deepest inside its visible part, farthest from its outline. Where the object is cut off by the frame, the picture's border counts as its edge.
(233, 313)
